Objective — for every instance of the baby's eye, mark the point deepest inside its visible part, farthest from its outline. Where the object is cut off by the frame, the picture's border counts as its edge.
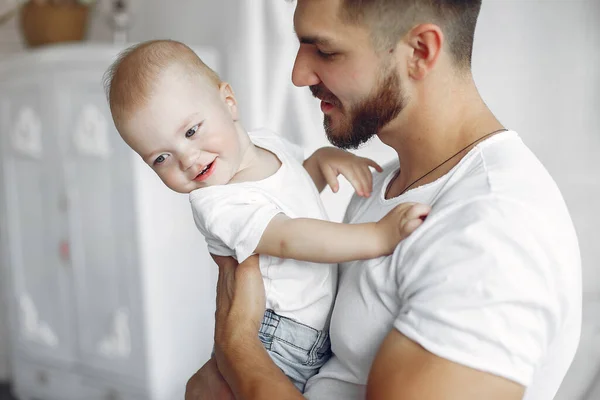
(191, 131)
(160, 159)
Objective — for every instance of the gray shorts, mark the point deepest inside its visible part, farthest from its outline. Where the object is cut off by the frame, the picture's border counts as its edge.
(299, 350)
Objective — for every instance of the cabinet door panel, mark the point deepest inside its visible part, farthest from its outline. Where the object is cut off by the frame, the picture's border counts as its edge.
(37, 228)
(100, 190)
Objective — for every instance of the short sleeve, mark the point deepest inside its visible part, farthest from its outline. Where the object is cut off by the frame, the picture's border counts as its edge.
(233, 222)
(476, 288)
(296, 151)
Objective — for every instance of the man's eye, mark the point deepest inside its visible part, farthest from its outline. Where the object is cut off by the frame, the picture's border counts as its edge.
(160, 159)
(191, 132)
(325, 55)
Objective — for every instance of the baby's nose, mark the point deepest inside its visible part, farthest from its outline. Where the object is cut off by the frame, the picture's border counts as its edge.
(189, 159)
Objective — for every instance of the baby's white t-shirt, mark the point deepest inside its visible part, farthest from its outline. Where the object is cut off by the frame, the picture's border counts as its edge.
(491, 280)
(233, 217)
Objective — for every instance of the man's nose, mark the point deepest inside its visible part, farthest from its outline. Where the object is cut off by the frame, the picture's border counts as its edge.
(303, 73)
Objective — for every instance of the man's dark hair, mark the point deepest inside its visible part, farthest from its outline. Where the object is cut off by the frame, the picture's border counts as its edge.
(389, 20)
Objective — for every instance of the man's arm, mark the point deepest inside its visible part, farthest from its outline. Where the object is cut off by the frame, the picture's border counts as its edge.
(208, 384)
(464, 303)
(241, 357)
(403, 370)
(330, 242)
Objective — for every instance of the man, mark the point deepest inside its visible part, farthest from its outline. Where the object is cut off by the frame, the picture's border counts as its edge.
(483, 301)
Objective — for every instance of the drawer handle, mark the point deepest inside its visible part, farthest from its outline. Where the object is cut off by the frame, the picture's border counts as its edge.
(65, 251)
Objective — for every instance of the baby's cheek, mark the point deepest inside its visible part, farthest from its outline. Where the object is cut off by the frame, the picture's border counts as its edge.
(170, 179)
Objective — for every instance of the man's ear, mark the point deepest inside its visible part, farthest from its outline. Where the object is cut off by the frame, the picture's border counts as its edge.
(426, 42)
(229, 99)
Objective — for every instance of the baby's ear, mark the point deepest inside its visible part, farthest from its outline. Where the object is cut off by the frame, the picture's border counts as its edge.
(229, 99)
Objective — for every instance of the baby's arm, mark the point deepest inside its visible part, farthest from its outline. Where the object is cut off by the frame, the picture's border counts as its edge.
(320, 241)
(325, 164)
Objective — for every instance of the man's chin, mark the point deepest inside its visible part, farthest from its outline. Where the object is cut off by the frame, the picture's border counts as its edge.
(340, 140)
(335, 134)
(347, 139)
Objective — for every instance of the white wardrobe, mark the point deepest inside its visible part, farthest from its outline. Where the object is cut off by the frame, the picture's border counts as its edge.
(109, 285)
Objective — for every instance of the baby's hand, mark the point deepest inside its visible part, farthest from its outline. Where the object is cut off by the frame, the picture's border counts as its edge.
(401, 222)
(333, 162)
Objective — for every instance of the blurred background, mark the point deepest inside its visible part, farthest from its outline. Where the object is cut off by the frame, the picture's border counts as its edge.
(106, 289)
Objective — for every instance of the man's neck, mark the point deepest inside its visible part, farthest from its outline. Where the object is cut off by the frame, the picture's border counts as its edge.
(425, 137)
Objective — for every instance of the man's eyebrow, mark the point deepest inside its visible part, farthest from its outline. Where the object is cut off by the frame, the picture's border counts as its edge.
(316, 40)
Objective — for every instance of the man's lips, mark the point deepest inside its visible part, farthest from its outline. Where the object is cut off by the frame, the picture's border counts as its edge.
(206, 172)
(326, 107)
(327, 98)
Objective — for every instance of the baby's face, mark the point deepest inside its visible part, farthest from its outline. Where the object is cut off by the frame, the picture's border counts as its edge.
(186, 132)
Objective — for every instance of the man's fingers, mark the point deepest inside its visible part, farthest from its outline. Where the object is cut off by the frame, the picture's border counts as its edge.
(249, 297)
(225, 286)
(240, 292)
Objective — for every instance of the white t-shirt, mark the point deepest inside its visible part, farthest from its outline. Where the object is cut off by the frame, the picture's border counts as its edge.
(491, 280)
(233, 217)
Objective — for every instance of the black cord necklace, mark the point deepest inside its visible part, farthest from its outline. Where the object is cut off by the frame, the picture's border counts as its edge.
(439, 165)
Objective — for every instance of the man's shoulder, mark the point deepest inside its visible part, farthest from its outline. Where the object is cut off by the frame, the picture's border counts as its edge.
(502, 204)
(503, 172)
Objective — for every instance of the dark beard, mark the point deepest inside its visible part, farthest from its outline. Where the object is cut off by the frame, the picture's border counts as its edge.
(368, 117)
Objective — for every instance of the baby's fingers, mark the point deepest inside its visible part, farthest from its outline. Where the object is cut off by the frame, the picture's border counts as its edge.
(410, 226)
(331, 178)
(418, 211)
(413, 218)
(354, 177)
(367, 180)
(373, 164)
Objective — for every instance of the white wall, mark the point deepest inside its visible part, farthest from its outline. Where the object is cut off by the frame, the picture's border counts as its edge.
(4, 343)
(536, 64)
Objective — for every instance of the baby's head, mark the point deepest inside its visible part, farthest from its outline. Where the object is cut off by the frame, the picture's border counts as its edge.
(175, 112)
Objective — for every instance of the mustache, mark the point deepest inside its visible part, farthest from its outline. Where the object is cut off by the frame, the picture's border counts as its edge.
(320, 92)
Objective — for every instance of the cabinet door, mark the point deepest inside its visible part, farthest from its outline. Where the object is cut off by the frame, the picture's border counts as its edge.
(107, 285)
(39, 273)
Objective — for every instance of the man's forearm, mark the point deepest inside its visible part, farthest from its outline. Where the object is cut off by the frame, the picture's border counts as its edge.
(251, 374)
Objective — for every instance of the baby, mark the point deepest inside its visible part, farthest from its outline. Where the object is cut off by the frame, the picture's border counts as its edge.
(251, 193)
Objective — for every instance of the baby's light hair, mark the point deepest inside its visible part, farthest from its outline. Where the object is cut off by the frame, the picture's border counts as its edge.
(129, 81)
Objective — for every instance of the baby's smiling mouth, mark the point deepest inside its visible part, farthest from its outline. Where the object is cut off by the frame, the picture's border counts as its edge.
(205, 172)
(205, 169)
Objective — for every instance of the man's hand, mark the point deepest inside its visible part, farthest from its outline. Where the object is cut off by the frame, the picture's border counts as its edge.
(240, 308)
(240, 301)
(208, 384)
(240, 356)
